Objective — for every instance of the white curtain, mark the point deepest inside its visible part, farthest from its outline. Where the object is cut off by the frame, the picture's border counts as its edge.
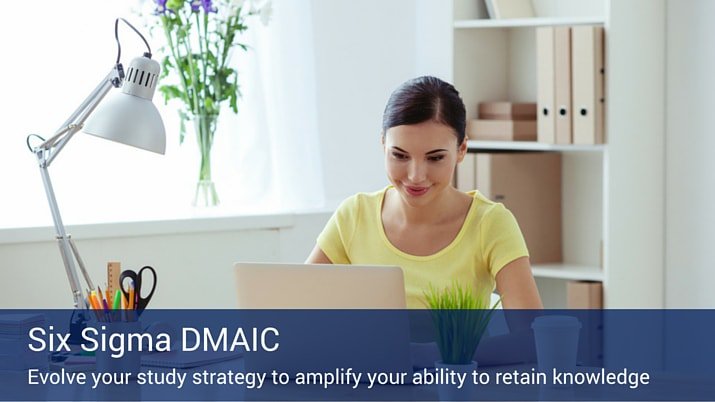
(280, 160)
(265, 159)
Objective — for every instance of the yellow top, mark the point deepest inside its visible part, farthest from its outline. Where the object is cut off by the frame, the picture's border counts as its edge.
(488, 240)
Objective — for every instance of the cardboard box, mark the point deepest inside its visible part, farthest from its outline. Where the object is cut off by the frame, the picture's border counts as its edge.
(506, 111)
(584, 295)
(529, 185)
(465, 179)
(502, 130)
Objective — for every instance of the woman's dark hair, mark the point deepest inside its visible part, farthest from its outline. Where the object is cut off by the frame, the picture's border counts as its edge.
(423, 99)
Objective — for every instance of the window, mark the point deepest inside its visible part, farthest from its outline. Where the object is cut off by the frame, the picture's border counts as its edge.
(264, 159)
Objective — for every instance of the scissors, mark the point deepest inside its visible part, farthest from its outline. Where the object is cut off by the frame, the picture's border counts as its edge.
(136, 277)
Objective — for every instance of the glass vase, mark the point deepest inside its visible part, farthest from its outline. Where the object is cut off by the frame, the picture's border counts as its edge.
(204, 126)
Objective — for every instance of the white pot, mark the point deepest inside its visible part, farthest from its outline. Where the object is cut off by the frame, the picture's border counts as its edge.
(451, 392)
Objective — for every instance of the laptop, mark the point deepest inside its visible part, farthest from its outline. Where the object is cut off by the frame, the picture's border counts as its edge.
(310, 304)
(319, 286)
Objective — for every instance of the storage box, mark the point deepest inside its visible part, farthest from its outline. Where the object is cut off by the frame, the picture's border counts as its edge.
(465, 179)
(529, 185)
(506, 111)
(502, 130)
(584, 295)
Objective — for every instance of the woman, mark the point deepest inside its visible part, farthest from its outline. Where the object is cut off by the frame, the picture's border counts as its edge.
(436, 233)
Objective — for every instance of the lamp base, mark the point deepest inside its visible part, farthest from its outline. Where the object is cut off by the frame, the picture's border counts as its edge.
(78, 322)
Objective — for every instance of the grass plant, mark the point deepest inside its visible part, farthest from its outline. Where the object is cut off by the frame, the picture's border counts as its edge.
(460, 316)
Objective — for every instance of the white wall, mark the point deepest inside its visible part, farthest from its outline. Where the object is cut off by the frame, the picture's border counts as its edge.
(690, 175)
(193, 266)
(363, 51)
(635, 191)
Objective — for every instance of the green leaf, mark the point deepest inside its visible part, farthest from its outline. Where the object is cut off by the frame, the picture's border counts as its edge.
(174, 4)
(212, 60)
(233, 101)
(172, 92)
(182, 126)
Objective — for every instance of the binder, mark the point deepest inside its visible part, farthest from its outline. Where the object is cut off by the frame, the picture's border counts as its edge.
(588, 81)
(546, 130)
(466, 171)
(562, 73)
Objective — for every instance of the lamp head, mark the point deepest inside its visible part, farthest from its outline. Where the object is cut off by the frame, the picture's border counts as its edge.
(130, 117)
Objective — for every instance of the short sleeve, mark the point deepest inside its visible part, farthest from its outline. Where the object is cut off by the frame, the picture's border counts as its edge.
(337, 234)
(502, 241)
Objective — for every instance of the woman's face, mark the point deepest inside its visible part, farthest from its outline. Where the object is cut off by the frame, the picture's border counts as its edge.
(420, 160)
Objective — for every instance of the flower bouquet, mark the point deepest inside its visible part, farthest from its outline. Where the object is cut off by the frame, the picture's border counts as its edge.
(200, 36)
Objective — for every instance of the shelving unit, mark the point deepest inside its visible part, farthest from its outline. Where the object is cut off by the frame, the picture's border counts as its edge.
(526, 22)
(568, 272)
(612, 201)
(476, 146)
(495, 60)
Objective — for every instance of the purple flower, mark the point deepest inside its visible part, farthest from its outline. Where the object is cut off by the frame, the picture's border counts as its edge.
(208, 7)
(205, 4)
(160, 7)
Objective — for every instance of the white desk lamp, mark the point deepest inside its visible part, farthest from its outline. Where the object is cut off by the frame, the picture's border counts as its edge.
(129, 117)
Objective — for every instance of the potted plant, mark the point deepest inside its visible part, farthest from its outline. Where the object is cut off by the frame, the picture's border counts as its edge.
(460, 316)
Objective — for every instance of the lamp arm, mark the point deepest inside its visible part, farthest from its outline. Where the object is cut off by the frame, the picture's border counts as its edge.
(46, 153)
(63, 239)
(54, 145)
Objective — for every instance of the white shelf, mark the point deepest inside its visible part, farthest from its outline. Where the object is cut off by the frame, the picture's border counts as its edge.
(526, 22)
(530, 146)
(568, 272)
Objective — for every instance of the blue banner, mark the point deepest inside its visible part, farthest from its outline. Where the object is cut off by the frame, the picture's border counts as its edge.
(359, 355)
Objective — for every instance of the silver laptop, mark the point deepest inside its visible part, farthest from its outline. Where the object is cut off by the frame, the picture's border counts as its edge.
(373, 336)
(319, 286)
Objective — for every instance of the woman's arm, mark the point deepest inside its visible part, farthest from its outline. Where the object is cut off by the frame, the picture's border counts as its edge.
(317, 256)
(516, 285)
